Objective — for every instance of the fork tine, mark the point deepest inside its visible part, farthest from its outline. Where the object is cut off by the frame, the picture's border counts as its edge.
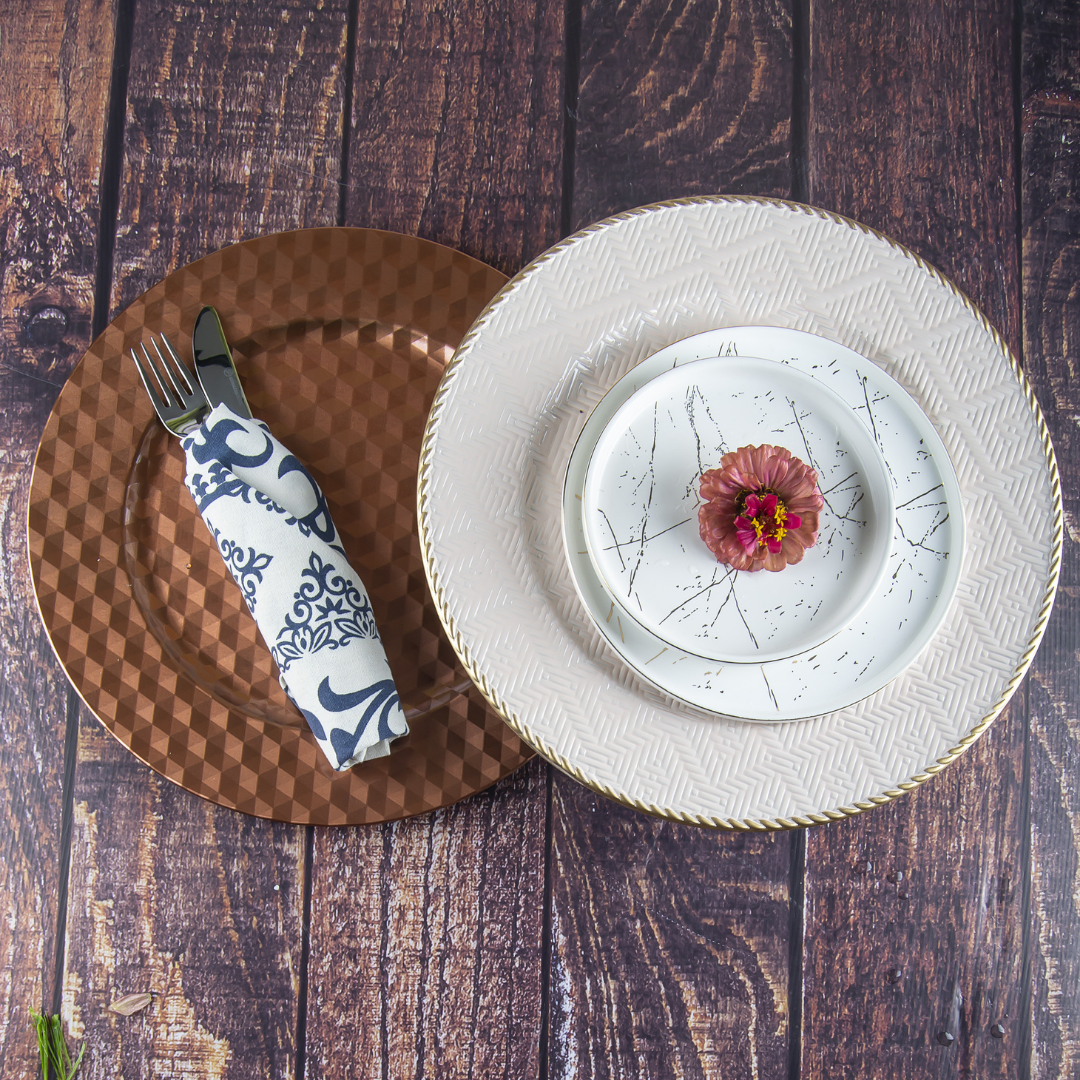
(158, 397)
(169, 392)
(178, 365)
(177, 398)
(170, 374)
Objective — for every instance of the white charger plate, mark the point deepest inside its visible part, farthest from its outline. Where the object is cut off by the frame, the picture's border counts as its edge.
(512, 404)
(923, 568)
(640, 508)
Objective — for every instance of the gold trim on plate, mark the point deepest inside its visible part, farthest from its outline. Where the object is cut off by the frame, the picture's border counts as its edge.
(538, 743)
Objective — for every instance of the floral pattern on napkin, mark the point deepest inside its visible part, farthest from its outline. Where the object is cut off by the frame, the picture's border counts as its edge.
(273, 527)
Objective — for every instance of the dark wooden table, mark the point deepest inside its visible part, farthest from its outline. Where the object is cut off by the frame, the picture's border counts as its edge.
(535, 930)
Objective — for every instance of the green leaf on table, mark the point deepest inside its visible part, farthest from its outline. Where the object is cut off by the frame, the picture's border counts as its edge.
(52, 1047)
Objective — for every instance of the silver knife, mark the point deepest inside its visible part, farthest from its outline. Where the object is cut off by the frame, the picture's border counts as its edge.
(221, 384)
(214, 364)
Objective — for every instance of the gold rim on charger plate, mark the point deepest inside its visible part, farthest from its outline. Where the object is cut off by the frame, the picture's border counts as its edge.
(552, 755)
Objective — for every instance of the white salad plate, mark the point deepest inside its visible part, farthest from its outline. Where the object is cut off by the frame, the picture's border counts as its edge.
(640, 506)
(510, 409)
(907, 603)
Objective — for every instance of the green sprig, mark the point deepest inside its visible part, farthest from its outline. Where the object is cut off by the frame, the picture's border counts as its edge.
(53, 1049)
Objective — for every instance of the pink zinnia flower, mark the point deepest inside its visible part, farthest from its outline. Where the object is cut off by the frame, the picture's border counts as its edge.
(761, 508)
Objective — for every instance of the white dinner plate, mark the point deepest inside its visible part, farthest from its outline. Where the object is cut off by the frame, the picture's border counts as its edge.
(910, 601)
(641, 499)
(508, 413)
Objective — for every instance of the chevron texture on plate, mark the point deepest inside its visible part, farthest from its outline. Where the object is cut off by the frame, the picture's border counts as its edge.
(515, 399)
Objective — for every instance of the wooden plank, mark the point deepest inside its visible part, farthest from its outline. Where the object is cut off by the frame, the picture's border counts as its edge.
(911, 130)
(55, 65)
(457, 124)
(669, 946)
(197, 905)
(1051, 216)
(914, 930)
(689, 98)
(233, 129)
(234, 123)
(425, 937)
(426, 941)
(1050, 68)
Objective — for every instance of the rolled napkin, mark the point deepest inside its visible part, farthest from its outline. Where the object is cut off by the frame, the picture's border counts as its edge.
(274, 531)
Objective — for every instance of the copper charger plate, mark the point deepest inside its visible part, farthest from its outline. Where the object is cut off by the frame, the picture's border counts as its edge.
(340, 336)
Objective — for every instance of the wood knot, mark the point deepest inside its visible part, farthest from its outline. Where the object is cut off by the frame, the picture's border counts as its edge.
(46, 326)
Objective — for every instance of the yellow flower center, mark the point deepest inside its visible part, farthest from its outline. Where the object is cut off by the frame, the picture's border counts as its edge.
(780, 521)
(769, 527)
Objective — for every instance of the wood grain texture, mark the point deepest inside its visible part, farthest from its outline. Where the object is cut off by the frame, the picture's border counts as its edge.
(55, 65)
(913, 927)
(425, 935)
(426, 941)
(911, 130)
(1049, 63)
(234, 121)
(457, 124)
(199, 906)
(1051, 216)
(669, 946)
(685, 98)
(233, 129)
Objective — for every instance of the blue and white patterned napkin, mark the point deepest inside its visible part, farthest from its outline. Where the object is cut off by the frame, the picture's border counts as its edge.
(275, 533)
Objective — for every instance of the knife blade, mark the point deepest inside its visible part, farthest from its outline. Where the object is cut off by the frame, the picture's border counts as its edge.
(214, 364)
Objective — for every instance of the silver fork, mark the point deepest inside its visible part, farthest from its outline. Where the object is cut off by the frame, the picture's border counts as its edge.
(177, 397)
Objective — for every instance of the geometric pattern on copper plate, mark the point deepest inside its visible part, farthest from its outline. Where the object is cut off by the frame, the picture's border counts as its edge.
(340, 337)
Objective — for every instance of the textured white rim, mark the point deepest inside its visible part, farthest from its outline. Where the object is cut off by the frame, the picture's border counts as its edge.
(539, 743)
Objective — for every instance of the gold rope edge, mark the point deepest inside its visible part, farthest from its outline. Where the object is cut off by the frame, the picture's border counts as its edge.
(798, 821)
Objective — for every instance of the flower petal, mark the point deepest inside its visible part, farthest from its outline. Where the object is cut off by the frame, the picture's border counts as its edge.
(794, 549)
(775, 561)
(760, 508)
